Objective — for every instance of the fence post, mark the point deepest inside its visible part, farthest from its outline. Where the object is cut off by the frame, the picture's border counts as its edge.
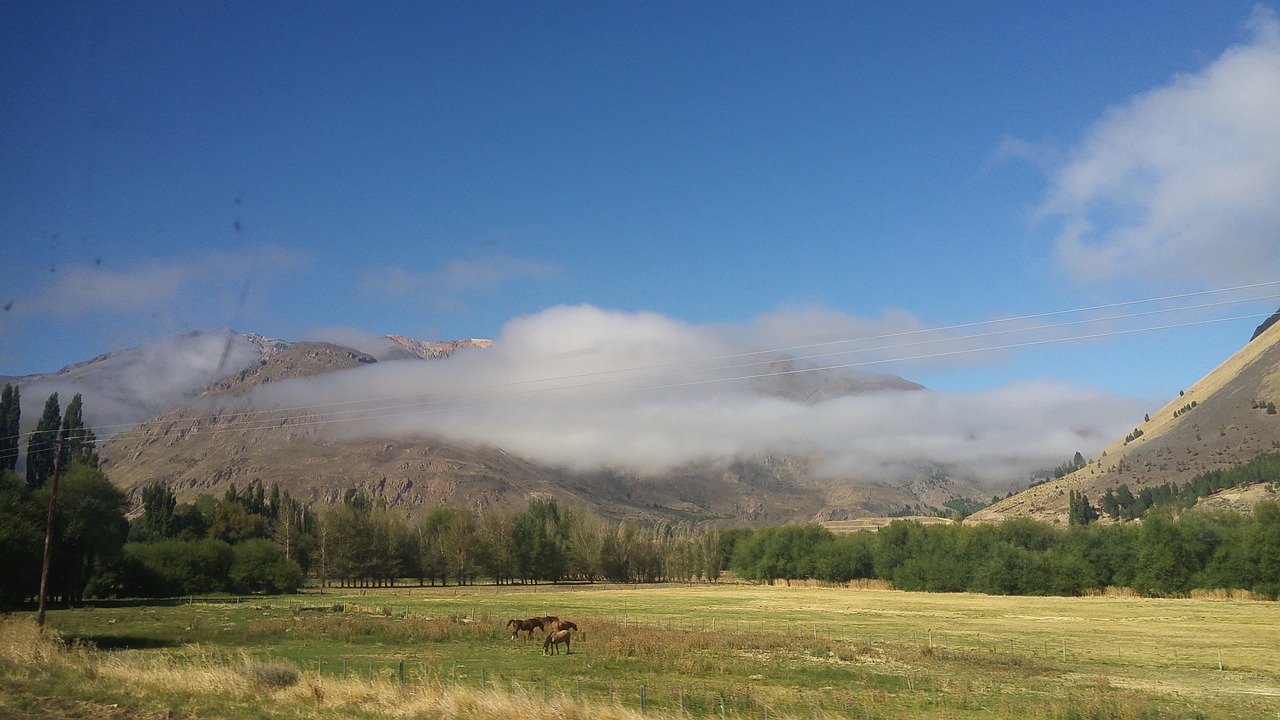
(401, 672)
(641, 699)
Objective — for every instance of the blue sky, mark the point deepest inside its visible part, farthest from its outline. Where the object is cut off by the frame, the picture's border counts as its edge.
(780, 174)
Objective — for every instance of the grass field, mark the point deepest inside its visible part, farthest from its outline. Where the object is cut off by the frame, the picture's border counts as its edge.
(697, 650)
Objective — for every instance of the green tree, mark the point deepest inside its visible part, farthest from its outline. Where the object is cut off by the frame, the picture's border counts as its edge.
(1262, 539)
(42, 445)
(10, 427)
(1126, 503)
(260, 566)
(175, 567)
(191, 521)
(78, 441)
(1166, 556)
(292, 526)
(432, 561)
(233, 523)
(582, 534)
(21, 540)
(537, 540)
(846, 557)
(495, 553)
(90, 528)
(1079, 510)
(156, 522)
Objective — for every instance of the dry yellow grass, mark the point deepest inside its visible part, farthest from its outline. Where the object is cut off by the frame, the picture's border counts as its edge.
(791, 651)
(875, 523)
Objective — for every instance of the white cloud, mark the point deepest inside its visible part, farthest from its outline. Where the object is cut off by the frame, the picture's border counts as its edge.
(1180, 183)
(168, 289)
(142, 382)
(449, 286)
(586, 388)
(78, 290)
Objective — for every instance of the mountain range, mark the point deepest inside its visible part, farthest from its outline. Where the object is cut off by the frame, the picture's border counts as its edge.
(209, 442)
(177, 412)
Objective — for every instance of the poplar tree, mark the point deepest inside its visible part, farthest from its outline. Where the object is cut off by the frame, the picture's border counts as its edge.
(43, 443)
(78, 441)
(10, 430)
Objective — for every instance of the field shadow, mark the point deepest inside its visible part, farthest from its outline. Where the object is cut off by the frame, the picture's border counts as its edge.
(122, 642)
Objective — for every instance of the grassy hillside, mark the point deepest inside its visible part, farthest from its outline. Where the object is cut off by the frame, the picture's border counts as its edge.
(1214, 424)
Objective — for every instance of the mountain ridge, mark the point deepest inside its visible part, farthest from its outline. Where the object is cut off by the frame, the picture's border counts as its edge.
(1213, 424)
(204, 446)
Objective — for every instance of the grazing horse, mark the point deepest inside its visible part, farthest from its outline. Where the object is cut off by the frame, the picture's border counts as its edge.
(526, 625)
(563, 625)
(553, 642)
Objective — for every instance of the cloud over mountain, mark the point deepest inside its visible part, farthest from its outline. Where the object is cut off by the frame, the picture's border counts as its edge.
(586, 388)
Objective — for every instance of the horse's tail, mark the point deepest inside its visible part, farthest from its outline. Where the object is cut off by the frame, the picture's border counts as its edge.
(513, 622)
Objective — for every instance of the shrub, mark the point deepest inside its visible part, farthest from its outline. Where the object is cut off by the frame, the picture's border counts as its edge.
(260, 566)
(274, 674)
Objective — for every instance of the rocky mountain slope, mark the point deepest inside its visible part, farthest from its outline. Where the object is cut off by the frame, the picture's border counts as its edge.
(204, 446)
(1218, 422)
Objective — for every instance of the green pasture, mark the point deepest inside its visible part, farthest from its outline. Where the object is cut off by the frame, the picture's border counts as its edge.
(729, 650)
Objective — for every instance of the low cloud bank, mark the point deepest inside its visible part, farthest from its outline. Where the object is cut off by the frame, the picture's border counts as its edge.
(140, 383)
(585, 388)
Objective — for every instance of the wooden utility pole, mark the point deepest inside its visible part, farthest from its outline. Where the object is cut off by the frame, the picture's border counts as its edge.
(48, 530)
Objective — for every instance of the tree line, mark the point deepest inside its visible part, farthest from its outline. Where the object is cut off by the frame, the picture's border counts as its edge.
(1164, 555)
(261, 539)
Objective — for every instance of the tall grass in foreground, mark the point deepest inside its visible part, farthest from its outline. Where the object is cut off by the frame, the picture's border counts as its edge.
(205, 686)
(722, 652)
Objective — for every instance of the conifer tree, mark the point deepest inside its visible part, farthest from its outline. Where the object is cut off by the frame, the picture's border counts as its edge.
(78, 441)
(10, 429)
(43, 444)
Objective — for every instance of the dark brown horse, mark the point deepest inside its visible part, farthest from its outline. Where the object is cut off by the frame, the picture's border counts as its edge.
(554, 640)
(526, 625)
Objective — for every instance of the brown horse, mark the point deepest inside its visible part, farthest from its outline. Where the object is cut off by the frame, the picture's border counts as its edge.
(549, 621)
(526, 625)
(553, 641)
(563, 625)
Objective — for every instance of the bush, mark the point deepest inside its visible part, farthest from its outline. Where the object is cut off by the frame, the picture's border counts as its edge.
(174, 568)
(260, 566)
(273, 675)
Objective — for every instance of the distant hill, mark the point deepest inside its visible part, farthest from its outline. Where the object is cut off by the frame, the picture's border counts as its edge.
(210, 442)
(1219, 422)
